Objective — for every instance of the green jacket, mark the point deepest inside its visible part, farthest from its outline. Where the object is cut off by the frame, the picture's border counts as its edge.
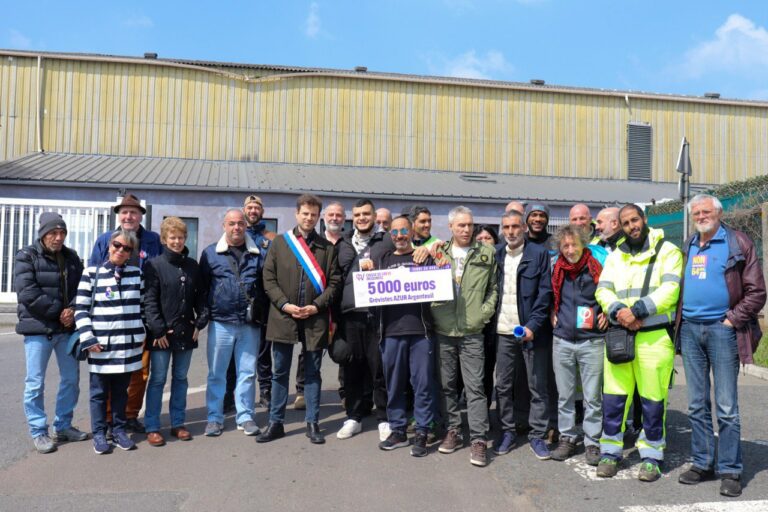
(475, 296)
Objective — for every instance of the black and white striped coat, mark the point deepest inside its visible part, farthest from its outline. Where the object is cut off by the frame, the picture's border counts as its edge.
(115, 321)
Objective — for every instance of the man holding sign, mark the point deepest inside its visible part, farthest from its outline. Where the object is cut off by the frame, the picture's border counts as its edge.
(459, 325)
(406, 347)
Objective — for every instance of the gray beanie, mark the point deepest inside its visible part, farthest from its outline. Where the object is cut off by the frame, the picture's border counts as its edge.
(50, 221)
(536, 207)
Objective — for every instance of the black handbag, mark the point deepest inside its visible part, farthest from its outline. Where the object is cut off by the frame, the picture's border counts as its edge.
(620, 342)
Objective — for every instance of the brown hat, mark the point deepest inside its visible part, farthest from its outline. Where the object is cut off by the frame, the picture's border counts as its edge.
(253, 199)
(130, 200)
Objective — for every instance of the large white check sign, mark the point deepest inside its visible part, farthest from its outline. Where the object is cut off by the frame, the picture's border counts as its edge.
(402, 285)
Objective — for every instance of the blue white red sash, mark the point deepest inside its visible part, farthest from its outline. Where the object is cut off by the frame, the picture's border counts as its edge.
(308, 262)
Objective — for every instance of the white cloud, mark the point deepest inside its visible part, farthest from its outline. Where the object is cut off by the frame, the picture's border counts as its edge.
(471, 65)
(739, 46)
(139, 21)
(313, 22)
(19, 40)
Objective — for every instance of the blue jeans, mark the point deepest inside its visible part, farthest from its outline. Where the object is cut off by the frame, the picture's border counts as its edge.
(704, 346)
(571, 359)
(402, 356)
(282, 353)
(159, 361)
(224, 340)
(112, 388)
(38, 351)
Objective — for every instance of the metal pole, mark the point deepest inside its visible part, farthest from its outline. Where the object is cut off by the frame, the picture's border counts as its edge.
(686, 197)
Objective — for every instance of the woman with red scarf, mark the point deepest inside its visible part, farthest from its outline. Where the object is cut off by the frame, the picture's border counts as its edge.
(578, 342)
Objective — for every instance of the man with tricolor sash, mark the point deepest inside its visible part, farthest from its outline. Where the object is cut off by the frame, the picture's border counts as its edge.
(302, 280)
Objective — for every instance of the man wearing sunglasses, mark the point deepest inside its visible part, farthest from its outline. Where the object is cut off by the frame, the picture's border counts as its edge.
(130, 213)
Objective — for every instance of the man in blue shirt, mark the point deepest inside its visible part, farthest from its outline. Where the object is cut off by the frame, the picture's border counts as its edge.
(723, 291)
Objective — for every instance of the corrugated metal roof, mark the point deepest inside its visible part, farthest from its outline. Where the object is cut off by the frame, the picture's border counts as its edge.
(288, 70)
(173, 174)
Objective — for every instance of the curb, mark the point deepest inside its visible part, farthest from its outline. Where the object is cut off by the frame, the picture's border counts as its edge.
(756, 371)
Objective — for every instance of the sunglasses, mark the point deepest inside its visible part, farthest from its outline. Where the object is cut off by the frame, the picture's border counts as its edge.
(401, 231)
(122, 247)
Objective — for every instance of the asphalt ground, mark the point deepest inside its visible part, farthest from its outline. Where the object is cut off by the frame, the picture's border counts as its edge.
(233, 472)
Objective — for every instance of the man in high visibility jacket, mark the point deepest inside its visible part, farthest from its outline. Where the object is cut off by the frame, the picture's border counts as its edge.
(618, 293)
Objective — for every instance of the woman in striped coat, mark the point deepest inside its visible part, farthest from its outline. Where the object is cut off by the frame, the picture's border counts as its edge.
(109, 319)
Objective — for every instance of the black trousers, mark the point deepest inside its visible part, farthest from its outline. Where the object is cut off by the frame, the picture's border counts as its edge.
(365, 371)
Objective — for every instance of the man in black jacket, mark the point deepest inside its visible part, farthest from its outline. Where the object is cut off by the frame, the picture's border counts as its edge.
(45, 278)
(360, 330)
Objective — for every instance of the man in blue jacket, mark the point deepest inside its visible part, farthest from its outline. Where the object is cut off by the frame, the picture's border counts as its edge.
(525, 297)
(231, 275)
(130, 213)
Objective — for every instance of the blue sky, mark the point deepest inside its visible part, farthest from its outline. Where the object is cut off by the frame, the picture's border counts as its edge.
(681, 47)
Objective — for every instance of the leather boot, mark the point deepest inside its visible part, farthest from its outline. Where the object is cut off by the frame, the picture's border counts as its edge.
(272, 432)
(314, 434)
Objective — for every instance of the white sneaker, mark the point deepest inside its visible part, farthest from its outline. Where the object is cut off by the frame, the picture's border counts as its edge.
(350, 428)
(384, 431)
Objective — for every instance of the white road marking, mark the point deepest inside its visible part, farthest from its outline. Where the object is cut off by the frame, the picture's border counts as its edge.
(629, 467)
(715, 506)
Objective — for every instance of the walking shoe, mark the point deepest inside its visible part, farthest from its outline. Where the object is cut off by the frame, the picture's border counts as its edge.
(477, 451)
(349, 429)
(730, 485)
(44, 444)
(565, 449)
(505, 444)
(135, 426)
(384, 431)
(299, 404)
(181, 433)
(649, 471)
(592, 455)
(394, 441)
(123, 442)
(314, 434)
(695, 475)
(213, 429)
(272, 432)
(607, 467)
(69, 434)
(155, 439)
(100, 444)
(539, 449)
(451, 442)
(249, 428)
(419, 444)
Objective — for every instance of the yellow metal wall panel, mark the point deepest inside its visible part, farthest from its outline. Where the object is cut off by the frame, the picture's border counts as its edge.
(147, 110)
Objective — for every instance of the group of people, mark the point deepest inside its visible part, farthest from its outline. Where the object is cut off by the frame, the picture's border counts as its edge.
(533, 321)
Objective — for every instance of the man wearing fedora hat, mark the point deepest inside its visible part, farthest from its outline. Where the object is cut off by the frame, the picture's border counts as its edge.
(130, 213)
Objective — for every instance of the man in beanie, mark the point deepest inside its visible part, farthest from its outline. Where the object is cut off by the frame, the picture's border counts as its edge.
(537, 220)
(130, 213)
(45, 277)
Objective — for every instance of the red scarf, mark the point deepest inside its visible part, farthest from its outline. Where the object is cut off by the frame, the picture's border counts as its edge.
(563, 267)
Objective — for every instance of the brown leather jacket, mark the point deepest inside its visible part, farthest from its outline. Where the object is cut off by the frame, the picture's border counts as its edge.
(746, 292)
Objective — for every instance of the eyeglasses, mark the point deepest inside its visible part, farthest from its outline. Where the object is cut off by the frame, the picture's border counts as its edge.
(401, 231)
(122, 247)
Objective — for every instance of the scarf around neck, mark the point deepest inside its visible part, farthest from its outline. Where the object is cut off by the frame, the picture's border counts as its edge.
(563, 267)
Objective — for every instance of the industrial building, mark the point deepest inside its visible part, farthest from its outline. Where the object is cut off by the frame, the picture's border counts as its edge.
(192, 138)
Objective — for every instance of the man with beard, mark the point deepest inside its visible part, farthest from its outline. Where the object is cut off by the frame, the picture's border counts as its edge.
(525, 294)
(723, 293)
(648, 317)
(607, 228)
(360, 328)
(383, 220)
(537, 220)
